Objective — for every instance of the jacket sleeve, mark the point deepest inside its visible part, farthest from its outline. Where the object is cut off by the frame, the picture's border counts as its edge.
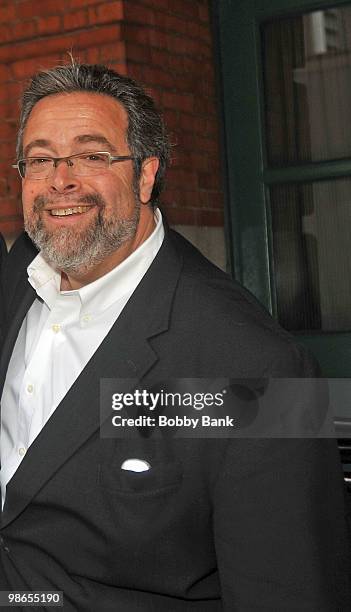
(280, 530)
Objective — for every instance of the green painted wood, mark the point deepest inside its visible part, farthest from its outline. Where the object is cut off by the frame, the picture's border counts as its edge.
(238, 25)
(333, 352)
(326, 170)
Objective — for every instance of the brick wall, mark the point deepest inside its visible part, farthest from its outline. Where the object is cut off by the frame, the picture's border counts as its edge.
(165, 44)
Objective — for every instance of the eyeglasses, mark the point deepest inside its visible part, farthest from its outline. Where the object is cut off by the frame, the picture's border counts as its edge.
(81, 164)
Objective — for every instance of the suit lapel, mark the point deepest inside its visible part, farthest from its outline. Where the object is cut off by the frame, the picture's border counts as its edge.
(24, 298)
(125, 353)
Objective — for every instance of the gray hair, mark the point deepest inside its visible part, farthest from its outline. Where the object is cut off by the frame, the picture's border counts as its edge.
(146, 134)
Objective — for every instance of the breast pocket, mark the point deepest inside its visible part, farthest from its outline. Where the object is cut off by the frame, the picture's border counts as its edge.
(155, 481)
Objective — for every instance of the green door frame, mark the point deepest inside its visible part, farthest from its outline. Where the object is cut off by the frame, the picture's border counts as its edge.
(238, 25)
(237, 32)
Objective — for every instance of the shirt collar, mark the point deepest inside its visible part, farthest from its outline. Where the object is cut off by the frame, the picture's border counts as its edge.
(102, 293)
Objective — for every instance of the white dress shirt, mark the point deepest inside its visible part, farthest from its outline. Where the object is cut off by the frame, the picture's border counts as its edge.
(59, 335)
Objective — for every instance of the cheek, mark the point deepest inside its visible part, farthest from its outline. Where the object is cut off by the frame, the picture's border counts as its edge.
(118, 191)
(28, 193)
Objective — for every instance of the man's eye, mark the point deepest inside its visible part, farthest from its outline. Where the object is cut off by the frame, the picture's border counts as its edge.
(37, 161)
(94, 157)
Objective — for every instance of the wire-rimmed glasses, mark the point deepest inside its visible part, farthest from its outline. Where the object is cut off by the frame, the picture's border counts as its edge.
(81, 164)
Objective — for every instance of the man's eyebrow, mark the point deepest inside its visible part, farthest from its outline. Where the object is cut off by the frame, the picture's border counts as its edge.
(40, 142)
(98, 138)
(82, 139)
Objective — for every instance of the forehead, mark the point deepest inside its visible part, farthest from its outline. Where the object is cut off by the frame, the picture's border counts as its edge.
(60, 118)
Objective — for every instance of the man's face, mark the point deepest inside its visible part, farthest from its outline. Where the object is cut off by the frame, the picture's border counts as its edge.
(109, 215)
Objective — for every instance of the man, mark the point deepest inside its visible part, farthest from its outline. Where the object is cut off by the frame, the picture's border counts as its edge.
(148, 523)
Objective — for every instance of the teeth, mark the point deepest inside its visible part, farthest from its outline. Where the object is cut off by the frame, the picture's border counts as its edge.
(63, 212)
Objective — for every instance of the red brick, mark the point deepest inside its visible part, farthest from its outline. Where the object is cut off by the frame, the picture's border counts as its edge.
(179, 176)
(176, 24)
(112, 52)
(195, 48)
(208, 144)
(11, 91)
(211, 218)
(155, 76)
(156, 95)
(78, 19)
(171, 118)
(159, 57)
(138, 53)
(157, 38)
(24, 29)
(181, 216)
(101, 35)
(187, 82)
(3, 189)
(208, 180)
(185, 8)
(27, 67)
(191, 123)
(73, 4)
(92, 56)
(106, 13)
(39, 8)
(10, 228)
(49, 25)
(60, 44)
(189, 141)
(216, 199)
(178, 101)
(8, 109)
(203, 12)
(7, 130)
(5, 34)
(191, 65)
(136, 71)
(120, 67)
(157, 4)
(5, 73)
(176, 63)
(7, 13)
(8, 206)
(200, 161)
(134, 12)
(204, 32)
(191, 199)
(170, 196)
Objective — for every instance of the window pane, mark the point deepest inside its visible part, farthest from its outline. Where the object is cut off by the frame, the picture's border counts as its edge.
(307, 79)
(311, 226)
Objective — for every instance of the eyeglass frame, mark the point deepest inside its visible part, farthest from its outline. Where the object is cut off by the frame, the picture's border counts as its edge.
(112, 159)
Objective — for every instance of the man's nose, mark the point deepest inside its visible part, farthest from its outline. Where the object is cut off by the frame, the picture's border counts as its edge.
(62, 179)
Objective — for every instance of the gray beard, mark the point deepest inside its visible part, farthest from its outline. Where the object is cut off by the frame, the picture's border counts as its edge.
(72, 252)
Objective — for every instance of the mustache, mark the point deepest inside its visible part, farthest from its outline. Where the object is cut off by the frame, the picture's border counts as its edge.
(41, 201)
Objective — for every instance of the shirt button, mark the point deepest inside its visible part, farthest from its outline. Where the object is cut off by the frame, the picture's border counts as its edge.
(30, 388)
(21, 451)
(56, 328)
(86, 318)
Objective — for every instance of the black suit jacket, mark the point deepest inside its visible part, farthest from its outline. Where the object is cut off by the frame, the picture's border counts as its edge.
(3, 249)
(3, 253)
(215, 524)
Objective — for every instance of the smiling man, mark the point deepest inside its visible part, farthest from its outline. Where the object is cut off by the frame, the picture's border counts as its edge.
(82, 211)
(101, 288)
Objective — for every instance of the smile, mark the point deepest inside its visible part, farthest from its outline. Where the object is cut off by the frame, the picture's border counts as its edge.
(63, 212)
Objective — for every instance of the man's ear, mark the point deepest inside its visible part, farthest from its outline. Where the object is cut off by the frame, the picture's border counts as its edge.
(147, 178)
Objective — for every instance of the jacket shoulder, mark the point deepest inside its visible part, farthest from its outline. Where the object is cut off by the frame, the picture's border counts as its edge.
(15, 266)
(225, 319)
